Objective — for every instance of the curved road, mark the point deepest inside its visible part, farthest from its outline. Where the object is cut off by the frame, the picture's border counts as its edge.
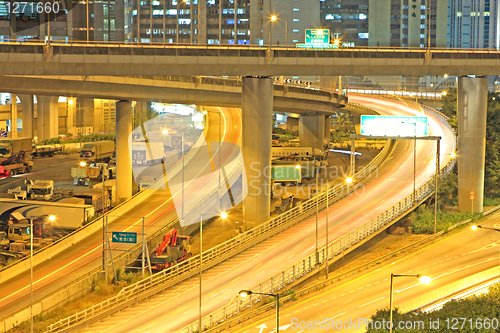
(178, 306)
(86, 255)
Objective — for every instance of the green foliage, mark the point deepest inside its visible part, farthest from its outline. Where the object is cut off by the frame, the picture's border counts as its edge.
(450, 102)
(81, 138)
(481, 309)
(491, 201)
(285, 132)
(422, 221)
(448, 190)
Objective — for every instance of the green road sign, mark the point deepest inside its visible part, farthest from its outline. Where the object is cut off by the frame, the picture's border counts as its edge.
(317, 36)
(124, 237)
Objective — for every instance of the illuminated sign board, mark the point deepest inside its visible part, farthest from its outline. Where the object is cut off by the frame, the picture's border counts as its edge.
(393, 126)
(317, 36)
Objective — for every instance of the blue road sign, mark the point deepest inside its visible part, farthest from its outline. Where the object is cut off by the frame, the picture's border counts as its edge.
(124, 237)
(3, 134)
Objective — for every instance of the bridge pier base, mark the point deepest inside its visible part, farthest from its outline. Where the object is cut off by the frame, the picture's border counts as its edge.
(47, 117)
(123, 162)
(27, 106)
(471, 104)
(312, 131)
(257, 116)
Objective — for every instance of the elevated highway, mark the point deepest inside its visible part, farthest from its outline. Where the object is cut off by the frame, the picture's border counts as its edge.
(174, 309)
(36, 58)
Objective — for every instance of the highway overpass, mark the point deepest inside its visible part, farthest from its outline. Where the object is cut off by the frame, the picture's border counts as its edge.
(117, 59)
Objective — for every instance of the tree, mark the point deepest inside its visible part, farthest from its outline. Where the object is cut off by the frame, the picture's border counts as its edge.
(450, 102)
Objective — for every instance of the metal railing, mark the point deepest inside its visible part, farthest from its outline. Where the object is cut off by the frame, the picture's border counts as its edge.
(329, 252)
(178, 273)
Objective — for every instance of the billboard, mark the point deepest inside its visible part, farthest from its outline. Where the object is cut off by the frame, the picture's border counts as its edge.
(317, 36)
(393, 126)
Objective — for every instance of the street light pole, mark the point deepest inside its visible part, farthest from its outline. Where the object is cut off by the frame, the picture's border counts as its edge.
(286, 31)
(245, 293)
(414, 159)
(270, 22)
(326, 259)
(423, 279)
(317, 211)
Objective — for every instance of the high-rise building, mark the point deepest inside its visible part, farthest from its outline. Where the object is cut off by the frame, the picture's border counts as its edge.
(405, 23)
(233, 22)
(347, 21)
(474, 24)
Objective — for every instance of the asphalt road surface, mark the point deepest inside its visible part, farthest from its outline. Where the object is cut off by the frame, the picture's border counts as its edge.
(178, 306)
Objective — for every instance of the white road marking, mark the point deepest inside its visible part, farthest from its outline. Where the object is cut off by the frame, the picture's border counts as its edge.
(378, 299)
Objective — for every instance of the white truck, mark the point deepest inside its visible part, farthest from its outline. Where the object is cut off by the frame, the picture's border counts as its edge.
(44, 190)
(83, 174)
(100, 151)
(147, 154)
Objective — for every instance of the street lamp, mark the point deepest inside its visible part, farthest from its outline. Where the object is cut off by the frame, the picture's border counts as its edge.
(223, 215)
(453, 155)
(51, 218)
(245, 293)
(474, 227)
(274, 18)
(423, 280)
(165, 131)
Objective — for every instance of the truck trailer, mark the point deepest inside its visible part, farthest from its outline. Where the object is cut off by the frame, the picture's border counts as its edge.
(100, 151)
(147, 153)
(9, 147)
(286, 174)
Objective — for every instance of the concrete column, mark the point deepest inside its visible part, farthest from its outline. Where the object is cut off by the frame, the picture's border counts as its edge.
(257, 113)
(123, 163)
(327, 129)
(328, 83)
(13, 116)
(471, 105)
(47, 117)
(27, 106)
(292, 124)
(312, 131)
(357, 123)
(70, 119)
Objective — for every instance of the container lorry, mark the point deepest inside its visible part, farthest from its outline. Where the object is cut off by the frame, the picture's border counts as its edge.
(147, 153)
(286, 174)
(93, 197)
(165, 138)
(9, 147)
(100, 151)
(12, 183)
(44, 190)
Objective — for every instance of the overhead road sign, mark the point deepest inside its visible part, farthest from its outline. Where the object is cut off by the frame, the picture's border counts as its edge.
(317, 46)
(396, 126)
(317, 36)
(385, 137)
(124, 237)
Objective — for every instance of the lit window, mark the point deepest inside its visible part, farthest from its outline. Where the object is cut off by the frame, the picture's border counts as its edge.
(459, 14)
(295, 30)
(295, 40)
(486, 13)
(422, 26)
(422, 7)
(362, 16)
(422, 36)
(422, 45)
(295, 9)
(422, 17)
(295, 20)
(363, 35)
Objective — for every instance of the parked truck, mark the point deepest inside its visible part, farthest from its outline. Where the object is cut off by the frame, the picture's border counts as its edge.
(44, 190)
(9, 147)
(21, 162)
(93, 197)
(173, 249)
(83, 174)
(100, 151)
(286, 174)
(12, 183)
(144, 153)
(43, 151)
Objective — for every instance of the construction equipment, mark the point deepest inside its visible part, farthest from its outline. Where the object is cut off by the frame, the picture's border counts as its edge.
(173, 249)
(83, 174)
(286, 202)
(20, 162)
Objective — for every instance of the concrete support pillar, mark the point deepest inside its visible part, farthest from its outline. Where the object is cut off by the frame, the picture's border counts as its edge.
(123, 163)
(13, 116)
(27, 106)
(47, 117)
(292, 124)
(328, 83)
(328, 123)
(357, 123)
(70, 119)
(312, 131)
(257, 115)
(471, 103)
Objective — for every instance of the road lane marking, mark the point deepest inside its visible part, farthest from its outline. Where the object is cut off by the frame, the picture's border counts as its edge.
(338, 315)
(235, 279)
(378, 299)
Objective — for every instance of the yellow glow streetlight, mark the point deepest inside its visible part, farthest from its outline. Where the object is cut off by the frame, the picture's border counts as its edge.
(425, 279)
(52, 218)
(297, 166)
(82, 163)
(165, 131)
(336, 41)
(205, 112)
(453, 155)
(474, 227)
(273, 18)
(71, 102)
(348, 180)
(445, 76)
(444, 93)
(223, 215)
(245, 293)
